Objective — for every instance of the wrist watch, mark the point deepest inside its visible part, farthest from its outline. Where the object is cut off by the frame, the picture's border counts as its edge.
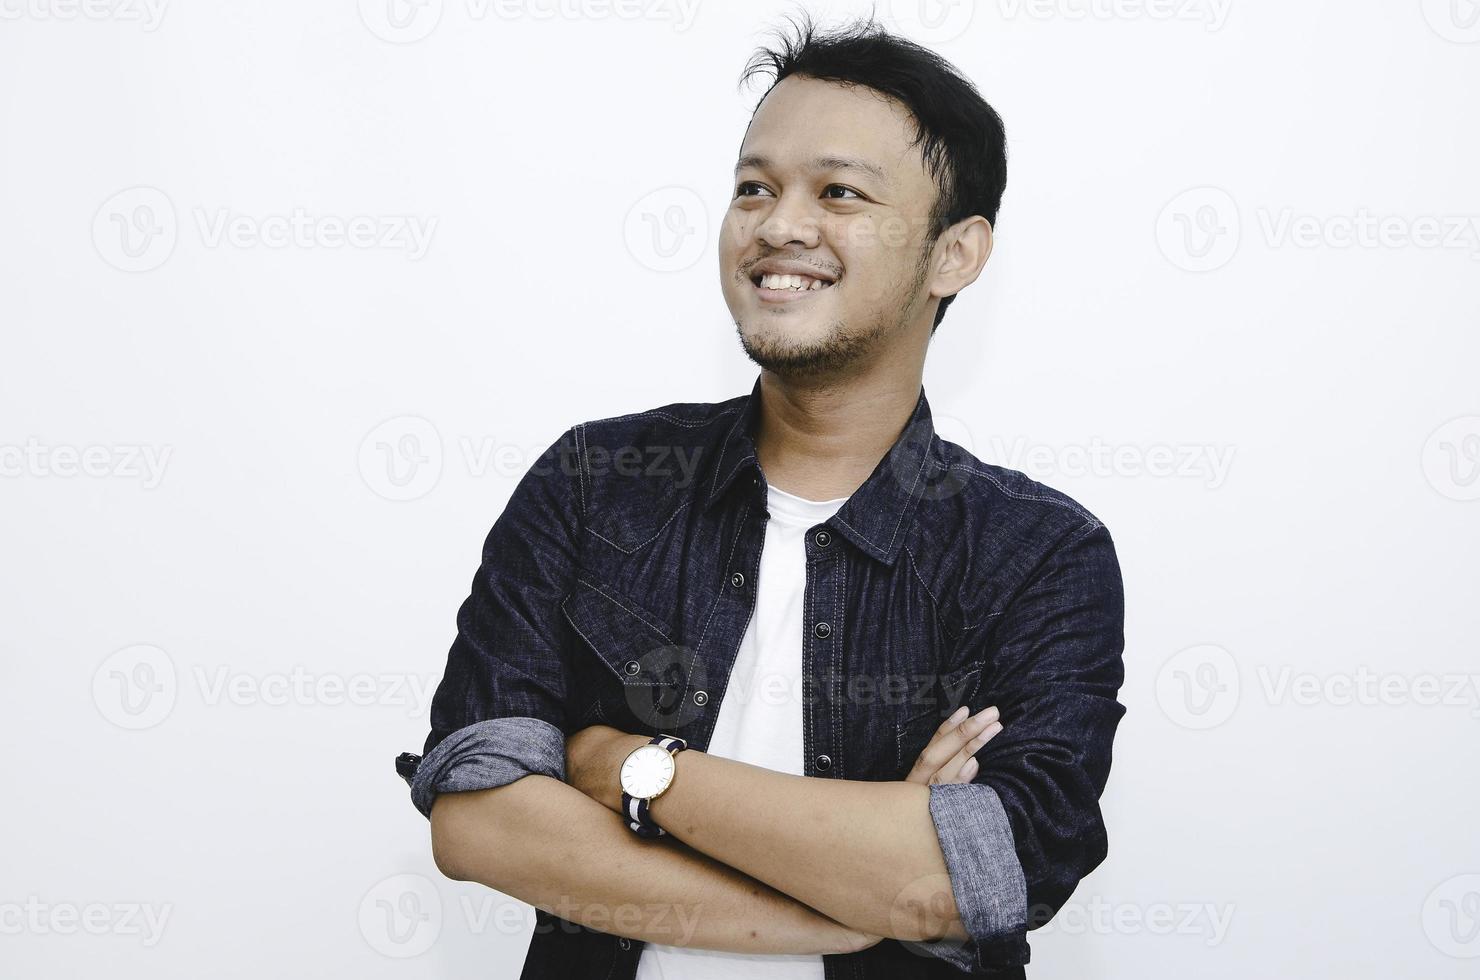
(647, 771)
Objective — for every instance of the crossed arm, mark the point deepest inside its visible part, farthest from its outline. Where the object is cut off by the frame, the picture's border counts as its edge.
(854, 862)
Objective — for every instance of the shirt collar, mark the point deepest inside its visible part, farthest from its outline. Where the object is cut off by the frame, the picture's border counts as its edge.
(877, 514)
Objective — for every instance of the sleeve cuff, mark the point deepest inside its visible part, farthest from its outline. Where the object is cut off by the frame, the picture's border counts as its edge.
(487, 754)
(986, 878)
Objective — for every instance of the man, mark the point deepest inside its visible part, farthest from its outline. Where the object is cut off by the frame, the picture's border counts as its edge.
(792, 593)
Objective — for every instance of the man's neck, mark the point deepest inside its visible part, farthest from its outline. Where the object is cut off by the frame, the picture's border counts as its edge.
(821, 442)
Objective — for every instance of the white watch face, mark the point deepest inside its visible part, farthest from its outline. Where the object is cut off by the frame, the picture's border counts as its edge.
(647, 771)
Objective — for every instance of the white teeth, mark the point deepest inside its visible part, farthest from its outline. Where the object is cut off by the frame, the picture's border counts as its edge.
(798, 283)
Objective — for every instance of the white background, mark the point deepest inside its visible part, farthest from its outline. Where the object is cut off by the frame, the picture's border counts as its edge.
(1181, 274)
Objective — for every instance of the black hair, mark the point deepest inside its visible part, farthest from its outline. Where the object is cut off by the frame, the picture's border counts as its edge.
(960, 136)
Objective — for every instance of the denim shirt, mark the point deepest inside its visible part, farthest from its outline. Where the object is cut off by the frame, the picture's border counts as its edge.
(618, 582)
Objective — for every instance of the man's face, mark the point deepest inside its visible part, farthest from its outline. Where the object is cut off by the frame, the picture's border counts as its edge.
(827, 183)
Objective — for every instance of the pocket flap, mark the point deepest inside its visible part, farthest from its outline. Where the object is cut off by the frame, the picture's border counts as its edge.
(634, 644)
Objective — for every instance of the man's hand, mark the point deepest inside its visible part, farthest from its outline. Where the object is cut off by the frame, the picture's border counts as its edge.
(949, 759)
(593, 762)
(951, 755)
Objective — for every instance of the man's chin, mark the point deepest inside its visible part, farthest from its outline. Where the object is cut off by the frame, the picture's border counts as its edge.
(790, 359)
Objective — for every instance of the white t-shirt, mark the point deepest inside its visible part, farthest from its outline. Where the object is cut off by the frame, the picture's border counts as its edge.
(760, 721)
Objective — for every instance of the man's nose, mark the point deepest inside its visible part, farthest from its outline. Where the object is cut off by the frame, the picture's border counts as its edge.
(790, 221)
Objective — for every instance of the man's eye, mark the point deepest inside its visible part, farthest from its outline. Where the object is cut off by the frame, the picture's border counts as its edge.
(740, 190)
(839, 187)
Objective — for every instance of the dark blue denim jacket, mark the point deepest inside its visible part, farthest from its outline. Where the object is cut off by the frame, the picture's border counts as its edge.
(618, 582)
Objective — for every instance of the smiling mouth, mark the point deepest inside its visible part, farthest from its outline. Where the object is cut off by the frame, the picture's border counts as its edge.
(774, 288)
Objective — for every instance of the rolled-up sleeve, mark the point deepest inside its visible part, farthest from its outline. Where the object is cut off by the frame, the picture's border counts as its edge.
(486, 754)
(499, 711)
(1018, 838)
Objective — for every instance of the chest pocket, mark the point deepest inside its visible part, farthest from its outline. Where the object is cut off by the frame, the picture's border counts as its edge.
(634, 674)
(914, 733)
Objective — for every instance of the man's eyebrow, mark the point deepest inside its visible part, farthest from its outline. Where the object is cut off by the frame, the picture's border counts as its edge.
(822, 163)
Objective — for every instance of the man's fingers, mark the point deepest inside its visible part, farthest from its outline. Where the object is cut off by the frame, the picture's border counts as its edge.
(963, 765)
(949, 741)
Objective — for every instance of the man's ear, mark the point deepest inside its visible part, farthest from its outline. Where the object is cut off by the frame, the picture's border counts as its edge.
(965, 248)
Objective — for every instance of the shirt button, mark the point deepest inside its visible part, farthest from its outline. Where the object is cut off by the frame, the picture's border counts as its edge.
(632, 666)
(624, 942)
(823, 630)
(737, 580)
(823, 763)
(823, 539)
(701, 697)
